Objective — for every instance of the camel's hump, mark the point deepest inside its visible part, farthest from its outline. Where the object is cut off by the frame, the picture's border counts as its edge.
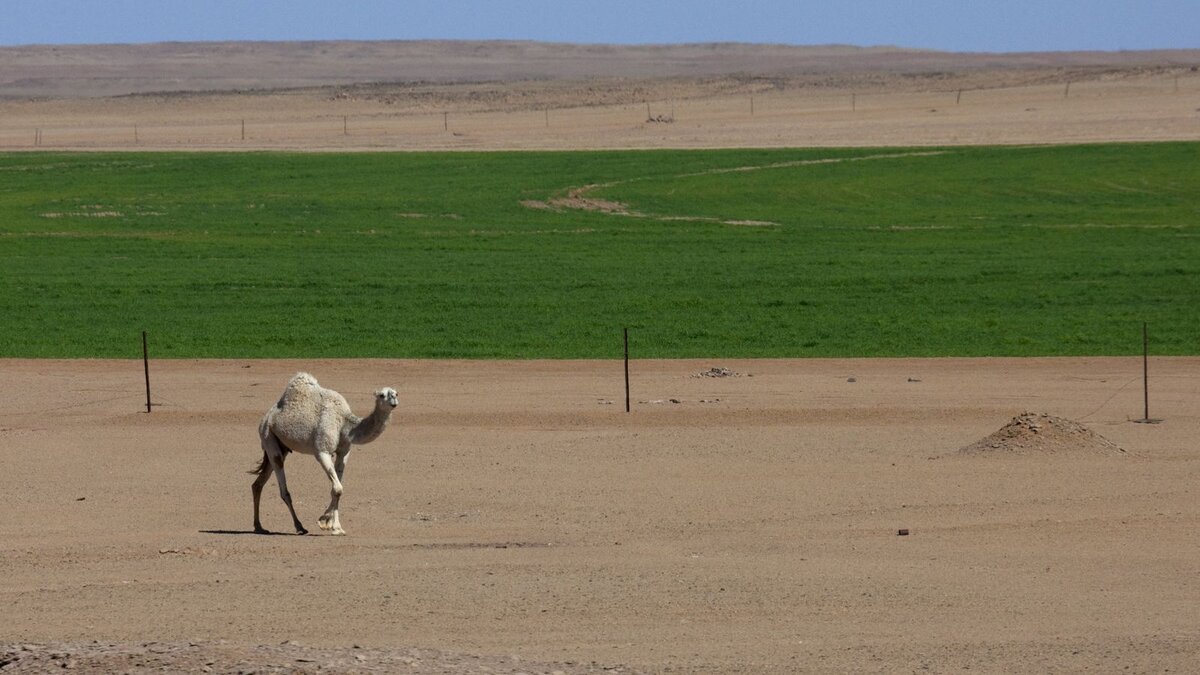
(303, 379)
(301, 387)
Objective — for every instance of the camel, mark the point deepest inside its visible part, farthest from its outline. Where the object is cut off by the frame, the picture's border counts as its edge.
(313, 420)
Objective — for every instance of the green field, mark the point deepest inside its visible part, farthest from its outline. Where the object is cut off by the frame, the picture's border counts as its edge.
(966, 251)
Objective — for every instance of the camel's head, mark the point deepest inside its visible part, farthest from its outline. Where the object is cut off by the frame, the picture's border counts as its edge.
(386, 397)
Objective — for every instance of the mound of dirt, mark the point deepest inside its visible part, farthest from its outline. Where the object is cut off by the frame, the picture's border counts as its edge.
(1042, 433)
(717, 372)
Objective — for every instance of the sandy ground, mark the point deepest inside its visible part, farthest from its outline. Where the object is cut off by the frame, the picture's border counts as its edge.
(702, 114)
(505, 96)
(515, 518)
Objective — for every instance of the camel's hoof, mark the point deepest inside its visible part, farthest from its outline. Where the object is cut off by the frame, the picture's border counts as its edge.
(259, 529)
(330, 524)
(301, 530)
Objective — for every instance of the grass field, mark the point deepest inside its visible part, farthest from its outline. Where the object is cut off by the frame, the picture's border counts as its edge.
(960, 251)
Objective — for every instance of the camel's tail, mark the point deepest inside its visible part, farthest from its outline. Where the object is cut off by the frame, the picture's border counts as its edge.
(263, 466)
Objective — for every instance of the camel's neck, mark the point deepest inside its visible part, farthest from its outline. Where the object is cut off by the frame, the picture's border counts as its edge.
(369, 427)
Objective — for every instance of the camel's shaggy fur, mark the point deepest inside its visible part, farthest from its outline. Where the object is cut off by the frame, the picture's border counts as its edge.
(313, 420)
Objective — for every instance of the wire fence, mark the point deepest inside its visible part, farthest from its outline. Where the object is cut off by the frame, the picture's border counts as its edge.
(268, 128)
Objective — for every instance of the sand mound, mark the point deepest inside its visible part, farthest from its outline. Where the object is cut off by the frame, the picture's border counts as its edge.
(1042, 433)
(716, 372)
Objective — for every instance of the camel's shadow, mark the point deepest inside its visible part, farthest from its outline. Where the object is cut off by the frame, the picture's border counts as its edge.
(260, 534)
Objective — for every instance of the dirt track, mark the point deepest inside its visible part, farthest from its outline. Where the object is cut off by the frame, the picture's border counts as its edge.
(516, 518)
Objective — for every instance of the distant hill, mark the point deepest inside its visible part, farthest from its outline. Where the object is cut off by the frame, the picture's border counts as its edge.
(72, 71)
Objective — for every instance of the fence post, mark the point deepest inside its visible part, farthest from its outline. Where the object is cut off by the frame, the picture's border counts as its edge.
(146, 368)
(626, 369)
(1146, 377)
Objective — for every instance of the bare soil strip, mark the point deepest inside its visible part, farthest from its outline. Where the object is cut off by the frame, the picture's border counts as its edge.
(730, 96)
(744, 517)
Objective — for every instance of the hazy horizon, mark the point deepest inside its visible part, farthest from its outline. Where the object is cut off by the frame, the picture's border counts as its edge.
(830, 45)
(938, 25)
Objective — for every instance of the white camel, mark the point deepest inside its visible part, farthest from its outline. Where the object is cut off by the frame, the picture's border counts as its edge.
(316, 421)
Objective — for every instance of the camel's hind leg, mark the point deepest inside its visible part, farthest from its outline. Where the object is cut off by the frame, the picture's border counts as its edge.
(264, 473)
(330, 519)
(276, 452)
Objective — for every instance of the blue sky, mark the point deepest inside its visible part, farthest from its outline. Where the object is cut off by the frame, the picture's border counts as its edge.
(955, 25)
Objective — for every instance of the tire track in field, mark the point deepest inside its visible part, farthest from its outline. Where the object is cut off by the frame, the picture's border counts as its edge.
(579, 198)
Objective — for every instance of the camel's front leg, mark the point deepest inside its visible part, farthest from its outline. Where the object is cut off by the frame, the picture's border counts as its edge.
(339, 464)
(330, 521)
